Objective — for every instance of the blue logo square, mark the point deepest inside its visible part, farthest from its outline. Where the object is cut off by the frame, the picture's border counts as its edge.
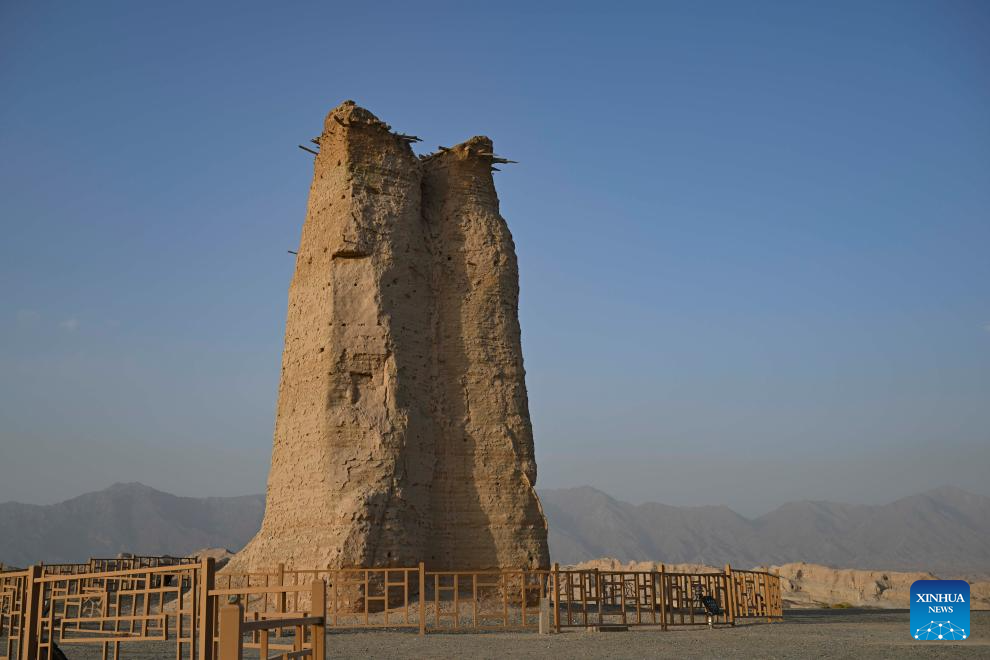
(940, 610)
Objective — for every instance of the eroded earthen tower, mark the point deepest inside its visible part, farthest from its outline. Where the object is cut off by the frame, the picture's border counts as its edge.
(403, 430)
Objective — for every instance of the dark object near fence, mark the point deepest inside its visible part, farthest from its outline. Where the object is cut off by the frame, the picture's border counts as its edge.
(711, 606)
(708, 604)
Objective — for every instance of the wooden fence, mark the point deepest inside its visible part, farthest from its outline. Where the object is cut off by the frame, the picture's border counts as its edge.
(111, 608)
(13, 585)
(591, 598)
(391, 597)
(233, 625)
(178, 603)
(756, 594)
(484, 600)
(500, 599)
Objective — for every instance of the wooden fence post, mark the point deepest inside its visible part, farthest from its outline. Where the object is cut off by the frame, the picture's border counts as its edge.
(663, 596)
(231, 642)
(730, 596)
(319, 607)
(556, 597)
(778, 599)
(31, 614)
(207, 609)
(422, 598)
(598, 596)
(765, 592)
(543, 625)
(280, 580)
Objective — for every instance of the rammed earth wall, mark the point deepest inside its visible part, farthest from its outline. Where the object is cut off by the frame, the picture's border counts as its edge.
(402, 432)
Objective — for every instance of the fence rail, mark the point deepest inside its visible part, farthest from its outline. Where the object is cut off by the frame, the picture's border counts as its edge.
(180, 602)
(233, 626)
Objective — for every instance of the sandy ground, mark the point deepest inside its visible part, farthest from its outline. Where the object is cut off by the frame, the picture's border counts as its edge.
(803, 634)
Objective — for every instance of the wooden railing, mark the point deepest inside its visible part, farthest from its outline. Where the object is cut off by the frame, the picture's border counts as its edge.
(44, 608)
(103, 564)
(756, 594)
(589, 598)
(483, 600)
(111, 608)
(233, 627)
(13, 586)
(504, 599)
(357, 597)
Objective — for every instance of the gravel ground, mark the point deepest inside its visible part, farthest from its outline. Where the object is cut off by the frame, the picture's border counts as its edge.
(802, 634)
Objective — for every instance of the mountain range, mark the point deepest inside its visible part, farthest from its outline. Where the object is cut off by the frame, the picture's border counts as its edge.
(945, 531)
(125, 518)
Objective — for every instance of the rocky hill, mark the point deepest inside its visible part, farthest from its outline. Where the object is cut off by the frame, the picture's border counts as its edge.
(811, 585)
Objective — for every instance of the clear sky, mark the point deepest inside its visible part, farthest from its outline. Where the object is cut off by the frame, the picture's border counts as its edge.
(753, 237)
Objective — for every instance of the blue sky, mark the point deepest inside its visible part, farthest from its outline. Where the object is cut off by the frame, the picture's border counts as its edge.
(753, 237)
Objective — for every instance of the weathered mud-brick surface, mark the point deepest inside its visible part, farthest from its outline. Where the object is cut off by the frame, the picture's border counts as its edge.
(486, 513)
(402, 430)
